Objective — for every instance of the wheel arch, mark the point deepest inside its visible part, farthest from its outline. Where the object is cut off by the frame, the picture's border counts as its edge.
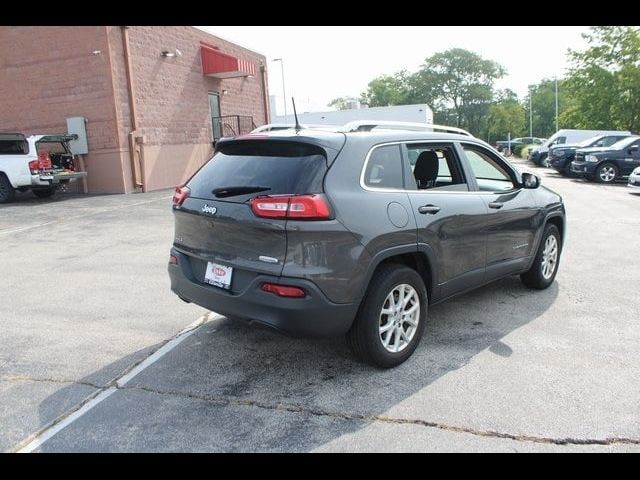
(418, 257)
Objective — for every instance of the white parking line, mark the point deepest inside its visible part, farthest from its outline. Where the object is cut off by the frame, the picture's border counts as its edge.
(56, 427)
(67, 419)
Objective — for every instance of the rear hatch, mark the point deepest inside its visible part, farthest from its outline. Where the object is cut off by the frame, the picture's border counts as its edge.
(55, 162)
(217, 222)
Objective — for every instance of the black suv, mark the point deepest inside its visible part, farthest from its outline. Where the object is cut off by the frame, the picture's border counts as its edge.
(357, 231)
(607, 164)
(561, 156)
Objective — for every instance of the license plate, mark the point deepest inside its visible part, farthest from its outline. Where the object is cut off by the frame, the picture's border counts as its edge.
(218, 275)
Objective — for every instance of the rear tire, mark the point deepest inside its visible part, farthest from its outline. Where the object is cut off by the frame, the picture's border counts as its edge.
(44, 192)
(401, 328)
(545, 266)
(7, 192)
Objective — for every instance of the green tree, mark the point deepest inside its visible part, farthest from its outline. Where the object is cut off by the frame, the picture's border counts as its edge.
(458, 81)
(506, 116)
(387, 90)
(341, 103)
(604, 80)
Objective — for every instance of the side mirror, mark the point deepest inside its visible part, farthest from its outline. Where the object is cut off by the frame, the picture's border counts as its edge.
(633, 150)
(529, 180)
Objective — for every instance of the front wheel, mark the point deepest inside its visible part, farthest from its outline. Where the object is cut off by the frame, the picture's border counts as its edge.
(545, 265)
(45, 192)
(606, 173)
(391, 318)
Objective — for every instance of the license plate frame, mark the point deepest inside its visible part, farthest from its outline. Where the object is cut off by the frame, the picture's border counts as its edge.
(218, 275)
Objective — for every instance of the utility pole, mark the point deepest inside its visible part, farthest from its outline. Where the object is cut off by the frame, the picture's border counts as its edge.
(284, 94)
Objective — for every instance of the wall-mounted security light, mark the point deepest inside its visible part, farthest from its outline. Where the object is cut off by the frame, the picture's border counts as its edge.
(168, 53)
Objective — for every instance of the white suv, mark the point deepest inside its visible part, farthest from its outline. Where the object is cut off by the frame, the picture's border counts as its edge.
(40, 163)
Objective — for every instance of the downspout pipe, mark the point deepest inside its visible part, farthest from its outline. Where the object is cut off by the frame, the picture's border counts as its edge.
(137, 170)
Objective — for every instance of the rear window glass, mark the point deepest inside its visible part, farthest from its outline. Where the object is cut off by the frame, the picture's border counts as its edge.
(282, 167)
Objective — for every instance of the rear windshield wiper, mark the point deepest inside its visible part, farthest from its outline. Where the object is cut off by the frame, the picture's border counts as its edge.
(232, 191)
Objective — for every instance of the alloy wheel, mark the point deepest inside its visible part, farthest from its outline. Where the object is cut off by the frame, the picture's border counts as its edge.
(549, 257)
(399, 318)
(607, 174)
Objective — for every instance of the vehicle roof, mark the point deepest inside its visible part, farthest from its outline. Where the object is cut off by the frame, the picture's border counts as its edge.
(327, 137)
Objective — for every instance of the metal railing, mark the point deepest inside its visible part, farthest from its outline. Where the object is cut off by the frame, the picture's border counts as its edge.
(231, 126)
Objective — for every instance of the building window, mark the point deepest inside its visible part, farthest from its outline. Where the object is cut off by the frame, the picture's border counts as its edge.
(214, 106)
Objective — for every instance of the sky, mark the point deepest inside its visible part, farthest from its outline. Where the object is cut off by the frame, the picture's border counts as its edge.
(322, 63)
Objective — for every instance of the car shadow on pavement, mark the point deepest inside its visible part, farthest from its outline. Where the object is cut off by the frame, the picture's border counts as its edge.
(235, 387)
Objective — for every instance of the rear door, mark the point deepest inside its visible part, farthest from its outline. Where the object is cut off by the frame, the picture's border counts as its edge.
(216, 222)
(451, 219)
(512, 211)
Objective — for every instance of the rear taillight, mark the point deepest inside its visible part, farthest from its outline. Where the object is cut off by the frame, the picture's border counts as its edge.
(180, 195)
(302, 207)
(173, 260)
(33, 166)
(283, 290)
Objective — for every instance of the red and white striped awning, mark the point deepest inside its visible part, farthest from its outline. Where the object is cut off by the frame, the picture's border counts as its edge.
(220, 65)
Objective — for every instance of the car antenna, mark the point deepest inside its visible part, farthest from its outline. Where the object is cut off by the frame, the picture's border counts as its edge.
(295, 114)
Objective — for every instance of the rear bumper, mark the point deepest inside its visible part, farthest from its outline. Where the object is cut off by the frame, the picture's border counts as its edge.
(311, 316)
(49, 179)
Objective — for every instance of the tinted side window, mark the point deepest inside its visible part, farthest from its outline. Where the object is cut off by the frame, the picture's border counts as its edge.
(434, 166)
(606, 141)
(384, 168)
(491, 176)
(13, 147)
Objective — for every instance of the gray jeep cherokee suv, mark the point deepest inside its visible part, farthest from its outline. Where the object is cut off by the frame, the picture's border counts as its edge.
(317, 232)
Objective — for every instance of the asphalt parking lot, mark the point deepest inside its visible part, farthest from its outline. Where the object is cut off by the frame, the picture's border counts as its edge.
(85, 303)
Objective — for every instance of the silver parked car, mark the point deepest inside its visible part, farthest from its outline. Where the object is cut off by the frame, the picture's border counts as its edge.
(634, 179)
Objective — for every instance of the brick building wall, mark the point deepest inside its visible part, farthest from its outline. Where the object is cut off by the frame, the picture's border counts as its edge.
(172, 100)
(50, 73)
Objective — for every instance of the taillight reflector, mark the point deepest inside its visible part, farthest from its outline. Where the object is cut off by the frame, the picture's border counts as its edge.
(283, 290)
(305, 207)
(180, 195)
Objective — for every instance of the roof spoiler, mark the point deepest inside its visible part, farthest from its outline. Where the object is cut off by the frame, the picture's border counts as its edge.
(368, 125)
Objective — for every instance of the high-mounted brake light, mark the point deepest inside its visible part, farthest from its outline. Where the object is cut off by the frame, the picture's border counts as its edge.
(303, 207)
(283, 290)
(180, 195)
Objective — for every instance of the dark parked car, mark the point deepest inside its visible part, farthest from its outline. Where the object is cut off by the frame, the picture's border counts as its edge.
(561, 156)
(607, 164)
(317, 232)
(504, 145)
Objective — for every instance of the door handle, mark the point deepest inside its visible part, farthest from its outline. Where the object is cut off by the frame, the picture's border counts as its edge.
(496, 205)
(429, 209)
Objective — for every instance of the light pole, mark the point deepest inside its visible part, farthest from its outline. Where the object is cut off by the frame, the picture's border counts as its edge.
(530, 112)
(284, 94)
(556, 104)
